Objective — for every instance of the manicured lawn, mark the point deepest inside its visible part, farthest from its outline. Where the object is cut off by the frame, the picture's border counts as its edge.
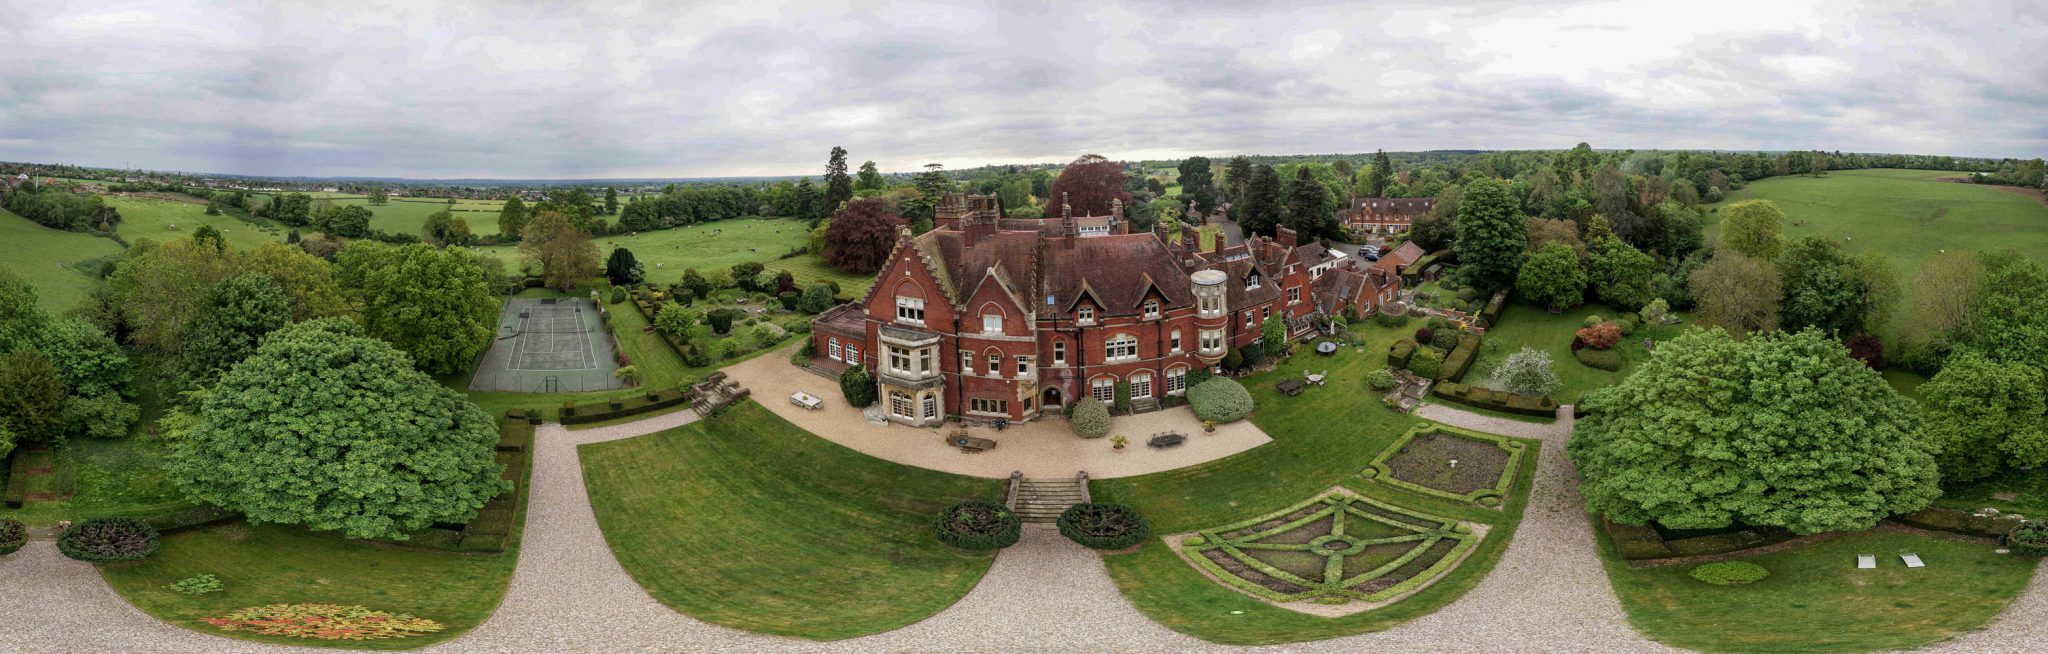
(747, 521)
(49, 258)
(1521, 325)
(719, 245)
(1906, 214)
(105, 478)
(1322, 438)
(285, 564)
(163, 220)
(1817, 601)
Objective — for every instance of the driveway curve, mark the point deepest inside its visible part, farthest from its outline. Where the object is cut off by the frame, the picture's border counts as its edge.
(1549, 592)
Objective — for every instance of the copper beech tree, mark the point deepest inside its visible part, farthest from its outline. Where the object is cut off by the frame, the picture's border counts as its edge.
(1090, 184)
(859, 237)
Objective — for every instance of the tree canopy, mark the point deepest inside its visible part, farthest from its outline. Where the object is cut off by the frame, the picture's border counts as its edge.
(1553, 277)
(1621, 275)
(1198, 184)
(433, 304)
(1309, 212)
(1492, 234)
(562, 249)
(838, 186)
(1736, 292)
(329, 429)
(1263, 204)
(1756, 228)
(1986, 416)
(238, 312)
(1090, 184)
(1777, 430)
(861, 236)
(512, 218)
(623, 269)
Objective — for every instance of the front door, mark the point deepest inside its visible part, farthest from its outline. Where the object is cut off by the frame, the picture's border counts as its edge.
(1052, 397)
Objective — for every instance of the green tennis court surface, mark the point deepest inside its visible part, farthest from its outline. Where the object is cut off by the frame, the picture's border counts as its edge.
(548, 345)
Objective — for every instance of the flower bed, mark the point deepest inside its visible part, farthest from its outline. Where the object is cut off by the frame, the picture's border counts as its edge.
(1420, 461)
(978, 525)
(1335, 548)
(323, 622)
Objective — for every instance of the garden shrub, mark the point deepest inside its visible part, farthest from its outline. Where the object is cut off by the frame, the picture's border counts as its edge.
(197, 585)
(1447, 339)
(1592, 320)
(1603, 336)
(1198, 375)
(1460, 359)
(978, 525)
(1234, 361)
(1397, 356)
(108, 540)
(1089, 418)
(1626, 324)
(1104, 526)
(323, 622)
(1389, 319)
(1427, 363)
(857, 386)
(104, 416)
(721, 320)
(1252, 355)
(12, 536)
(788, 299)
(1221, 399)
(1381, 380)
(1730, 573)
(1609, 360)
(618, 294)
(1490, 316)
(1869, 349)
(2030, 538)
(1122, 397)
(1426, 334)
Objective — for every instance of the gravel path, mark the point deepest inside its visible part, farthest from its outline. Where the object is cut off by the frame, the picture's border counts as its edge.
(1046, 594)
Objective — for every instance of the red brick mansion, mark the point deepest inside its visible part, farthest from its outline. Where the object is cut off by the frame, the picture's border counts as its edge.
(1385, 216)
(986, 316)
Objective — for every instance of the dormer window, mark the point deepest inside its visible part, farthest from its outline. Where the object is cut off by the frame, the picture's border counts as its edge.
(910, 310)
(1085, 315)
(1151, 309)
(1251, 281)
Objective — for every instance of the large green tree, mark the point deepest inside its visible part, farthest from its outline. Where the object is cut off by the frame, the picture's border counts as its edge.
(1985, 416)
(1552, 277)
(870, 178)
(622, 268)
(1755, 228)
(1382, 175)
(161, 287)
(31, 396)
(1736, 292)
(238, 312)
(2009, 321)
(838, 186)
(326, 428)
(563, 251)
(431, 303)
(1781, 430)
(1198, 184)
(1818, 289)
(512, 218)
(307, 279)
(1236, 177)
(1621, 274)
(88, 360)
(21, 318)
(1308, 207)
(1263, 202)
(1492, 234)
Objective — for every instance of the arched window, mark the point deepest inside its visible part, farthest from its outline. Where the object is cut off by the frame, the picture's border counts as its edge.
(1121, 347)
(1141, 385)
(1103, 389)
(900, 405)
(931, 405)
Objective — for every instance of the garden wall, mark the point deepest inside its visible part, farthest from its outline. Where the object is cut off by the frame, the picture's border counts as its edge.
(1644, 543)
(612, 409)
(1541, 406)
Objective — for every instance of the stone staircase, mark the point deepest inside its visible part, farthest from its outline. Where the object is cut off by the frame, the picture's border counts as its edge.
(1043, 500)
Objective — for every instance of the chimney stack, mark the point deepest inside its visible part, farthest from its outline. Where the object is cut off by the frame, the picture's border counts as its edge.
(1285, 236)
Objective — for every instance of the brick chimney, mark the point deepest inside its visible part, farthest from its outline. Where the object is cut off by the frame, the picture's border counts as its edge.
(1069, 232)
(1116, 217)
(1285, 236)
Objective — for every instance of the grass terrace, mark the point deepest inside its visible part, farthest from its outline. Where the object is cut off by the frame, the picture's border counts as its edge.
(747, 521)
(1816, 601)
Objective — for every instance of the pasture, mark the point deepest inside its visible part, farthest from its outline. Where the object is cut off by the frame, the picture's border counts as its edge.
(163, 220)
(50, 259)
(408, 215)
(717, 246)
(1906, 214)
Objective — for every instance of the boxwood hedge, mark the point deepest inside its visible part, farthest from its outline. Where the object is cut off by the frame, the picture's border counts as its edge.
(108, 540)
(12, 536)
(1104, 526)
(978, 525)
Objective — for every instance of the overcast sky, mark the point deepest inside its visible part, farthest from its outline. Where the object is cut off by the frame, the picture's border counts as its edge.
(760, 87)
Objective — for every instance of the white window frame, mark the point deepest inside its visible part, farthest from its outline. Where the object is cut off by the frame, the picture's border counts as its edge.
(1212, 341)
(1176, 381)
(930, 403)
(966, 362)
(1059, 353)
(1175, 340)
(1251, 280)
(991, 323)
(1084, 315)
(853, 354)
(1024, 366)
(1152, 309)
(909, 366)
(1103, 390)
(1249, 322)
(995, 365)
(902, 405)
(1141, 386)
(910, 311)
(1121, 347)
(1294, 295)
(833, 349)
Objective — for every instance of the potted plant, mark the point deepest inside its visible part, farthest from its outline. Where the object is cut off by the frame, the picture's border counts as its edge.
(1118, 441)
(1209, 426)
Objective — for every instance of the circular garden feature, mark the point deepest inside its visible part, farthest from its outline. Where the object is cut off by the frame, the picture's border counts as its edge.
(1104, 526)
(978, 525)
(2030, 538)
(108, 540)
(1336, 548)
(12, 536)
(1451, 463)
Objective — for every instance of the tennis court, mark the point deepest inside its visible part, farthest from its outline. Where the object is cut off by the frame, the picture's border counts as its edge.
(548, 345)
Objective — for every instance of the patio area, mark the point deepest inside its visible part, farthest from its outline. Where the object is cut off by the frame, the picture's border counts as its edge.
(1042, 448)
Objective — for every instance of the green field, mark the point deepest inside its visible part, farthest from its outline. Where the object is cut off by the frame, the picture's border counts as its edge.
(1310, 452)
(1521, 325)
(408, 215)
(747, 521)
(164, 220)
(717, 246)
(1907, 214)
(1817, 602)
(49, 258)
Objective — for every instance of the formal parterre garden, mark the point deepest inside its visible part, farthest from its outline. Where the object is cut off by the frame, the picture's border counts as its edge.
(1322, 439)
(1336, 549)
(1450, 463)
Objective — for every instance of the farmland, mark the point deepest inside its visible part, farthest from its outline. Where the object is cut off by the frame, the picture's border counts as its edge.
(1907, 214)
(49, 258)
(163, 220)
(408, 215)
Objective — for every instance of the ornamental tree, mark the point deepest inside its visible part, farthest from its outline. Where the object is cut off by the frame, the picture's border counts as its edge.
(1273, 335)
(433, 304)
(861, 236)
(623, 269)
(1553, 277)
(1777, 430)
(1621, 275)
(327, 428)
(857, 386)
(1090, 184)
(1526, 372)
(239, 311)
(1492, 235)
(1756, 228)
(1986, 415)
(1600, 336)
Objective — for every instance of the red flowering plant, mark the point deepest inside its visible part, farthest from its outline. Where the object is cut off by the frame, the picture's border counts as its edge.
(323, 621)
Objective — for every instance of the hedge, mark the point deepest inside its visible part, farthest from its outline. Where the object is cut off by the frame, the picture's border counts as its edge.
(12, 536)
(1490, 316)
(620, 408)
(1397, 356)
(1635, 542)
(978, 525)
(1541, 406)
(1962, 522)
(17, 482)
(1730, 573)
(1460, 359)
(2030, 539)
(189, 519)
(1603, 359)
(1104, 526)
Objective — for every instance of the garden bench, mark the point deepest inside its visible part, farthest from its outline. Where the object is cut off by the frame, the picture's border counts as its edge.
(1866, 561)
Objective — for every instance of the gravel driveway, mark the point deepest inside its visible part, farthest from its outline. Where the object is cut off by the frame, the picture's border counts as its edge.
(1548, 594)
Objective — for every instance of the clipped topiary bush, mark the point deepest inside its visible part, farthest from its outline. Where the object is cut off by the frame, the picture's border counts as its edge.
(1592, 320)
(1425, 335)
(1730, 573)
(1602, 359)
(978, 525)
(2030, 538)
(1381, 380)
(1427, 363)
(108, 540)
(1603, 336)
(12, 536)
(1221, 399)
(1089, 417)
(858, 386)
(1446, 339)
(1104, 526)
(1398, 354)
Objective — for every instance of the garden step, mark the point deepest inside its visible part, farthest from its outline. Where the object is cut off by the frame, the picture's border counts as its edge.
(1043, 500)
